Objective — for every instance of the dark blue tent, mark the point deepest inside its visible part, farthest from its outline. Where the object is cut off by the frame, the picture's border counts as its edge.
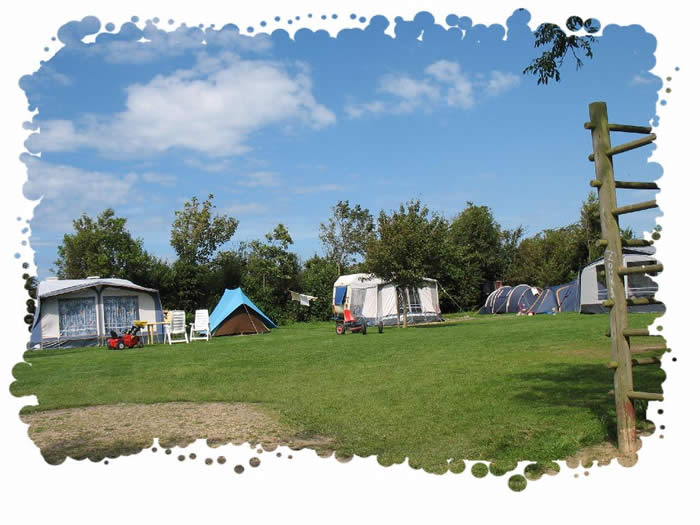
(510, 300)
(559, 298)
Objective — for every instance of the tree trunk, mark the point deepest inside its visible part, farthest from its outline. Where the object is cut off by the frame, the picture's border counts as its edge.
(406, 308)
(398, 307)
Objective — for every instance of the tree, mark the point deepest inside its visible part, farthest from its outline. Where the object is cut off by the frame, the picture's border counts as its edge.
(591, 229)
(196, 234)
(477, 248)
(410, 247)
(551, 257)
(317, 277)
(271, 272)
(547, 65)
(101, 246)
(346, 234)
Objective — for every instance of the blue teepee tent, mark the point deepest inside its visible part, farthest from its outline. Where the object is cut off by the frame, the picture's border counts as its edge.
(237, 314)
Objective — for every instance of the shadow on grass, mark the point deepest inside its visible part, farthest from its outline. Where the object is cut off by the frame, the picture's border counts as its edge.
(588, 387)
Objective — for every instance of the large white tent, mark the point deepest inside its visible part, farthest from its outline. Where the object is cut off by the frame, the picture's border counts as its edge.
(83, 312)
(375, 300)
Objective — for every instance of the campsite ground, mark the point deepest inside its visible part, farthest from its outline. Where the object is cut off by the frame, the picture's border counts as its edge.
(497, 388)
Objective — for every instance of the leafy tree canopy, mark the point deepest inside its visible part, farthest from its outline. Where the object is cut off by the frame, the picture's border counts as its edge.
(345, 235)
(196, 234)
(101, 246)
(547, 65)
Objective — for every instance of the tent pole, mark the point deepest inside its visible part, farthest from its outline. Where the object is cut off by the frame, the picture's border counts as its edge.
(251, 320)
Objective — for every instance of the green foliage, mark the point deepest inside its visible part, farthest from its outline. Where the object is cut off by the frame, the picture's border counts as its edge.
(198, 273)
(271, 272)
(346, 234)
(410, 246)
(478, 252)
(547, 65)
(551, 257)
(317, 278)
(101, 246)
(196, 234)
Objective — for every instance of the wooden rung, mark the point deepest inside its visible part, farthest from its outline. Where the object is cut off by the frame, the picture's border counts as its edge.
(635, 332)
(645, 395)
(642, 300)
(650, 349)
(631, 145)
(622, 127)
(629, 185)
(639, 361)
(646, 268)
(641, 206)
(636, 242)
(595, 183)
(642, 361)
(630, 129)
(602, 243)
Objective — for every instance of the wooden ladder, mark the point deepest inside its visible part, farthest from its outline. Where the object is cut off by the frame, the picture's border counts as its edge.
(624, 357)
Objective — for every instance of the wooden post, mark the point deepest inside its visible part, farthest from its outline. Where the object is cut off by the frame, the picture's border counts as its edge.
(624, 408)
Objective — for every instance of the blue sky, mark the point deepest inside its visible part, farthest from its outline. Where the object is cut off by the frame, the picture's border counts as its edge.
(144, 116)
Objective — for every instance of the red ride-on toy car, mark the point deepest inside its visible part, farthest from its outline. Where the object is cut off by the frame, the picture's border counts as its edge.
(128, 339)
(348, 322)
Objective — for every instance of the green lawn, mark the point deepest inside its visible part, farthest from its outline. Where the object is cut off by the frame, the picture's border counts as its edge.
(491, 388)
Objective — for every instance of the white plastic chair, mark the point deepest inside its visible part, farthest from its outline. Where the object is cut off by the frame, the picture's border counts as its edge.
(176, 327)
(199, 330)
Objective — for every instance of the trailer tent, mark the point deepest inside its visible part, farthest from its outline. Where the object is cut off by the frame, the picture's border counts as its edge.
(82, 312)
(235, 314)
(593, 287)
(376, 300)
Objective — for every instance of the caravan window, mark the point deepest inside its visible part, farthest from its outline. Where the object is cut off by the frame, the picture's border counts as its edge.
(76, 317)
(602, 285)
(120, 312)
(640, 284)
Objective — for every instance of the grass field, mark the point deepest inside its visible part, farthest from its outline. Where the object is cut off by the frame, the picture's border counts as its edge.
(489, 388)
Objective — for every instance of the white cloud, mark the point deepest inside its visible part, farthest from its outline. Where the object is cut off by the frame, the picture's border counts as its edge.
(643, 79)
(501, 82)
(459, 88)
(408, 88)
(357, 110)
(212, 108)
(444, 83)
(158, 43)
(66, 192)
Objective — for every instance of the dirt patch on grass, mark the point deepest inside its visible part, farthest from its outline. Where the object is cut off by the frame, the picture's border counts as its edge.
(104, 431)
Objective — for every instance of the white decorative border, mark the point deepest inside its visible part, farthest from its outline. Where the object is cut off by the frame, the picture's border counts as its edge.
(154, 486)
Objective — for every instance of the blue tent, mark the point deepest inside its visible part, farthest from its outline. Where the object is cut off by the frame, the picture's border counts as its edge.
(559, 298)
(510, 299)
(236, 314)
